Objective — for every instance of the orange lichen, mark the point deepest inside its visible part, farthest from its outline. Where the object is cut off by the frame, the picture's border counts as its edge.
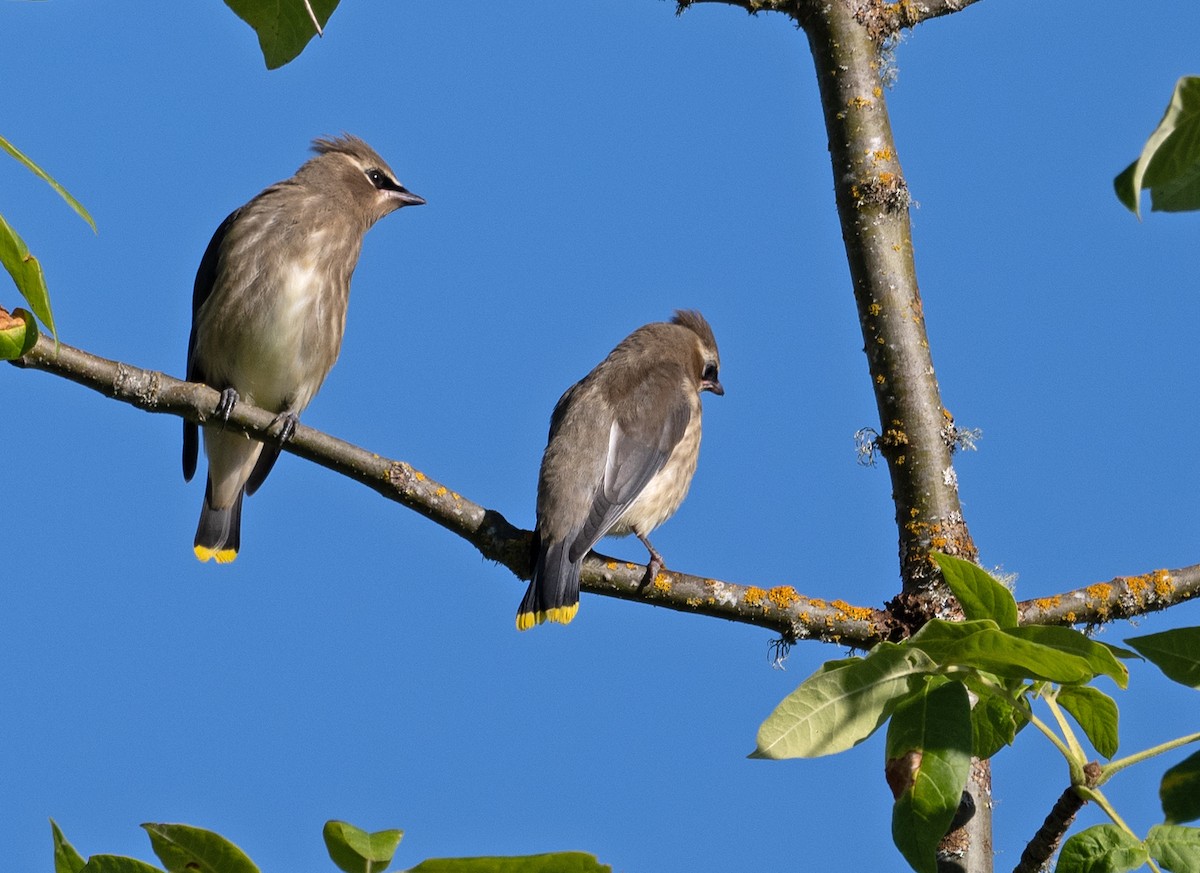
(855, 613)
(1048, 602)
(783, 596)
(418, 475)
(860, 102)
(1164, 586)
(886, 177)
(1100, 591)
(754, 595)
(874, 309)
(611, 565)
(662, 583)
(440, 491)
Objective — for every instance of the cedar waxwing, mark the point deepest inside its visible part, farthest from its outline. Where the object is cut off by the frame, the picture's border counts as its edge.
(269, 310)
(623, 447)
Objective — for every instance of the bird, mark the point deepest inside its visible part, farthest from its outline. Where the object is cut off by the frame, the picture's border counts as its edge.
(268, 313)
(620, 457)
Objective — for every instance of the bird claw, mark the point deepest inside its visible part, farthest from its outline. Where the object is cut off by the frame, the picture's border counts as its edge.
(229, 399)
(653, 568)
(287, 422)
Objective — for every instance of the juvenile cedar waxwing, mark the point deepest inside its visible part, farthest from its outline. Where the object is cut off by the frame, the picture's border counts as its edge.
(269, 310)
(622, 451)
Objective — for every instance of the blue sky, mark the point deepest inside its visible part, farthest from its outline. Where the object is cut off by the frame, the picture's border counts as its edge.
(589, 168)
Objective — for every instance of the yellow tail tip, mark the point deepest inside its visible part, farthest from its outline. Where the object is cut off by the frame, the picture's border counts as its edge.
(222, 556)
(559, 614)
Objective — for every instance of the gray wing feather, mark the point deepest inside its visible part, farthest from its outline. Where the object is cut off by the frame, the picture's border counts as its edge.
(206, 278)
(635, 455)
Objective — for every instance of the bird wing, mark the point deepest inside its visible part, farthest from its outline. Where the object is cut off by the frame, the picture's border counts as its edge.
(206, 278)
(638, 448)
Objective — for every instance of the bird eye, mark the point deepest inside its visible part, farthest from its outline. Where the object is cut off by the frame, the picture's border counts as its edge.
(710, 373)
(378, 179)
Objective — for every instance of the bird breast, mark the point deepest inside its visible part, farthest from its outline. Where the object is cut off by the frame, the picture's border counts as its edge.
(665, 492)
(273, 327)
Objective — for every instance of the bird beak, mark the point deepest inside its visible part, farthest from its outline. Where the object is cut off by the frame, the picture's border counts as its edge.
(714, 386)
(406, 197)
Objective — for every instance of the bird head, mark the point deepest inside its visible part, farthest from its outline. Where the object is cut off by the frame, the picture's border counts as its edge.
(347, 167)
(706, 359)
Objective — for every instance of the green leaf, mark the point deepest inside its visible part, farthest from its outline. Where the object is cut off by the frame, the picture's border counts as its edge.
(1175, 848)
(66, 859)
(356, 851)
(981, 596)
(1101, 849)
(186, 849)
(1169, 164)
(1002, 653)
(556, 862)
(1175, 652)
(931, 733)
(1071, 642)
(938, 636)
(833, 710)
(1095, 712)
(283, 29)
(995, 721)
(117, 864)
(18, 334)
(49, 180)
(1180, 791)
(1122, 653)
(26, 272)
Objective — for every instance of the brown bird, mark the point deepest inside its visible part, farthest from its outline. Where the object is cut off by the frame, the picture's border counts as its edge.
(268, 314)
(622, 451)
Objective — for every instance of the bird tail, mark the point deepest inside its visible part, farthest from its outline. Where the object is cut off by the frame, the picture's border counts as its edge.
(553, 593)
(219, 533)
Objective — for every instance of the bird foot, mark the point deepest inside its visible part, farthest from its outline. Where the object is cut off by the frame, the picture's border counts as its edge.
(229, 399)
(655, 565)
(287, 422)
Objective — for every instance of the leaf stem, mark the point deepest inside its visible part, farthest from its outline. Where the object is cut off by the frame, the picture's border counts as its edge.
(313, 16)
(1097, 796)
(1113, 767)
(1078, 757)
(1059, 744)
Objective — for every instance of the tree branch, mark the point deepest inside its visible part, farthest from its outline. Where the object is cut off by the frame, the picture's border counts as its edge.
(916, 432)
(1044, 843)
(780, 608)
(1120, 597)
(882, 19)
